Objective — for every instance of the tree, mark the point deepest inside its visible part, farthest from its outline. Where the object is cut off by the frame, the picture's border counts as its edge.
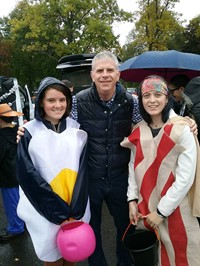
(67, 26)
(192, 36)
(42, 31)
(5, 50)
(155, 24)
(5, 55)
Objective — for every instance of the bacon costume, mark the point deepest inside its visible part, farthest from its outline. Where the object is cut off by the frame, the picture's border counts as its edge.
(161, 173)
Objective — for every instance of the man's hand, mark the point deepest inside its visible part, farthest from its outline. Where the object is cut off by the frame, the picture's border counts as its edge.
(20, 133)
(193, 125)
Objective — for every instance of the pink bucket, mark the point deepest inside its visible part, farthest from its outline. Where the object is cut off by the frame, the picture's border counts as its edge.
(76, 241)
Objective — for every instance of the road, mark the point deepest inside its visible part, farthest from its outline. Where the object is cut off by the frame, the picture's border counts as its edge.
(20, 252)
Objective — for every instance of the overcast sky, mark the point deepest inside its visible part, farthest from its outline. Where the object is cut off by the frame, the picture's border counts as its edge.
(189, 9)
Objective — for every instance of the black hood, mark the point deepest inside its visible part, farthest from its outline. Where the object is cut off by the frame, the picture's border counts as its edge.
(192, 90)
(43, 85)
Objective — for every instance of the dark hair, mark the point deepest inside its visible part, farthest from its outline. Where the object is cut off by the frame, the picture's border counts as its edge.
(165, 111)
(67, 83)
(179, 80)
(8, 119)
(65, 92)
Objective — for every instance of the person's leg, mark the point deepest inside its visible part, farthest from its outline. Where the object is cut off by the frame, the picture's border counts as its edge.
(60, 262)
(117, 204)
(10, 198)
(55, 263)
(97, 190)
(67, 263)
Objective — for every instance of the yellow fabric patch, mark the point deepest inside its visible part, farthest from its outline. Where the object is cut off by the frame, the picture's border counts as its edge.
(63, 184)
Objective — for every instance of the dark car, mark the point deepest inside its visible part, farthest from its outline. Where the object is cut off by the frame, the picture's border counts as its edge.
(76, 68)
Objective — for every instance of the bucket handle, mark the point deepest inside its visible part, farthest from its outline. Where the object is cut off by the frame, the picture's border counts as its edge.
(155, 230)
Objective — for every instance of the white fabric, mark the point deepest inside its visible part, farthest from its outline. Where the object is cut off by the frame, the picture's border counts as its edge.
(66, 148)
(185, 173)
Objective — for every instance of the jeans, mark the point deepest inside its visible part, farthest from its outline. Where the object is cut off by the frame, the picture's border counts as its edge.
(114, 195)
(10, 198)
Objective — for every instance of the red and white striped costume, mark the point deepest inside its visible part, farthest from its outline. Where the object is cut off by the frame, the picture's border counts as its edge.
(161, 172)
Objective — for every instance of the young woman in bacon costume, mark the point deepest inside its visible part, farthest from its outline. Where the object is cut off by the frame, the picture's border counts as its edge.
(163, 192)
(51, 170)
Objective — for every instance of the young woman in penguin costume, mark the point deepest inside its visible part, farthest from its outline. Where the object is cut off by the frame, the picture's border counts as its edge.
(51, 170)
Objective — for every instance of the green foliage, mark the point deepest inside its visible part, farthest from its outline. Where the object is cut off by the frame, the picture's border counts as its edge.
(192, 36)
(155, 24)
(42, 31)
(39, 32)
(67, 26)
(5, 54)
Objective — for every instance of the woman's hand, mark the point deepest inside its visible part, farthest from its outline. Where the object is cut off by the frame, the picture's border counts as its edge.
(133, 212)
(153, 219)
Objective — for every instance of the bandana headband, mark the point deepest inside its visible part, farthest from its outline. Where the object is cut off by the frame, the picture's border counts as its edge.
(154, 84)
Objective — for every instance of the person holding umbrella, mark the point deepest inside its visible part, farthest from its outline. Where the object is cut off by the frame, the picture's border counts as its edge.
(192, 90)
(182, 103)
(162, 176)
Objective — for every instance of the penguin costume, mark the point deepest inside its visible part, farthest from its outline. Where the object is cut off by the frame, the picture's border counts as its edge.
(52, 173)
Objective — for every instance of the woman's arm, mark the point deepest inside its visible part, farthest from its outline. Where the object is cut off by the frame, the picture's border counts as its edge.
(132, 192)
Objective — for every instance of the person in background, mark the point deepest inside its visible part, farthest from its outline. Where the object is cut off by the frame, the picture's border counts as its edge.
(52, 171)
(192, 90)
(161, 175)
(182, 103)
(69, 85)
(106, 112)
(8, 181)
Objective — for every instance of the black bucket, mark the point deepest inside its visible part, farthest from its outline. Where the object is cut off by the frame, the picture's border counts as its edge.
(143, 246)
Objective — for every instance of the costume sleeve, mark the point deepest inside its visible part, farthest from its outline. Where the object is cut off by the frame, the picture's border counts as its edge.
(132, 192)
(184, 174)
(80, 193)
(36, 189)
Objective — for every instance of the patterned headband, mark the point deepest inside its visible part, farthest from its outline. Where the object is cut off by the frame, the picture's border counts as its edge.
(155, 84)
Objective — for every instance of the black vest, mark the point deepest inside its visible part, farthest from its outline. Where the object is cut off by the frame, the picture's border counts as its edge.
(106, 128)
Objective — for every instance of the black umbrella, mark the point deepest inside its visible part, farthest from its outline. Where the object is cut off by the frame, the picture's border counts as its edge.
(163, 63)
